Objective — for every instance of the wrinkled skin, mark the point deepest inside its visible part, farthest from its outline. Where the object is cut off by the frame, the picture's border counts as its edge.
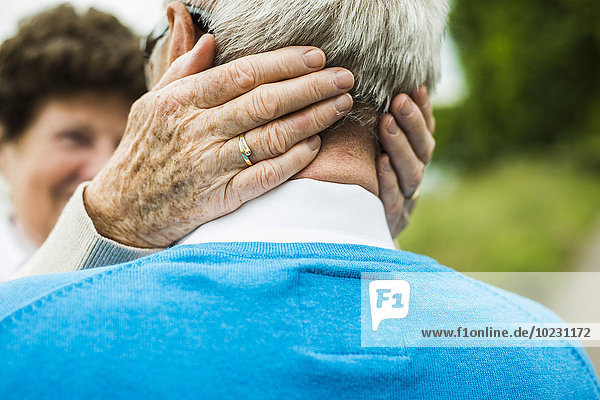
(179, 164)
(185, 154)
(406, 136)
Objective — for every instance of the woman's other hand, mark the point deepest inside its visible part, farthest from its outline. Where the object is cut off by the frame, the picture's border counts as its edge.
(406, 135)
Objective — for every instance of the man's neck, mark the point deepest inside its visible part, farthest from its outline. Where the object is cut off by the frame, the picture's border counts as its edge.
(347, 156)
(303, 211)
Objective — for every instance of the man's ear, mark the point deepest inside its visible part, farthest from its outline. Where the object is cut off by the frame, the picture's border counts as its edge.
(182, 31)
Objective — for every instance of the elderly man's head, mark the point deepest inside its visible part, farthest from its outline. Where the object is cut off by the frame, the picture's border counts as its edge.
(391, 46)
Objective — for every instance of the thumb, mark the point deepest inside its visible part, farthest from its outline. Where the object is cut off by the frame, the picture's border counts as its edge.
(199, 59)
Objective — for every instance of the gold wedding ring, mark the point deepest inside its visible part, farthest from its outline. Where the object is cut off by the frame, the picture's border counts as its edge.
(245, 150)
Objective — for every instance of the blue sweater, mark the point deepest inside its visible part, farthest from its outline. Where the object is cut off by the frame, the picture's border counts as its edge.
(257, 320)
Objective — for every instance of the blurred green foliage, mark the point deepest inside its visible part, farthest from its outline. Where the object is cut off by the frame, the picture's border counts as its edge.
(522, 214)
(519, 215)
(533, 77)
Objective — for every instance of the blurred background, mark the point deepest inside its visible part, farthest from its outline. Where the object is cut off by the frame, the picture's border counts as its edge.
(515, 185)
(516, 182)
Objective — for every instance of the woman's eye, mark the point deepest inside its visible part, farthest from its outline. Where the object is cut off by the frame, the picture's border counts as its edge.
(76, 138)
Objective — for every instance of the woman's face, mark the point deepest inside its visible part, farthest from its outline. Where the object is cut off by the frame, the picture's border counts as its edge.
(68, 142)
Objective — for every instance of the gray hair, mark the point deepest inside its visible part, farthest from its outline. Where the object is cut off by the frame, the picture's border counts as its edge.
(391, 46)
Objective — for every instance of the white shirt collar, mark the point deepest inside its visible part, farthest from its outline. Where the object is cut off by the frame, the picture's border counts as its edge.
(300, 211)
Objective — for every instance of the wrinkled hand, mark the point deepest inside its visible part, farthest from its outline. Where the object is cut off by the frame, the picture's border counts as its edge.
(407, 139)
(179, 163)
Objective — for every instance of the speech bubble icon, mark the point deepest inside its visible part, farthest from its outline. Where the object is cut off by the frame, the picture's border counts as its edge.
(389, 299)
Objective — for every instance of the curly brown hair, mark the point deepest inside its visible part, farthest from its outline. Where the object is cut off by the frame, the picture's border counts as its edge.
(60, 52)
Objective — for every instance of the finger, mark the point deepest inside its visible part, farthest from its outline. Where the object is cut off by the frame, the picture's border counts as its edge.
(409, 117)
(272, 101)
(266, 175)
(421, 98)
(409, 169)
(389, 192)
(409, 204)
(199, 59)
(279, 136)
(404, 220)
(221, 84)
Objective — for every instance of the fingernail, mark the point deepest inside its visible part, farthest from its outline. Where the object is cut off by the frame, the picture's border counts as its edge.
(392, 128)
(406, 106)
(343, 104)
(343, 79)
(314, 142)
(314, 58)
